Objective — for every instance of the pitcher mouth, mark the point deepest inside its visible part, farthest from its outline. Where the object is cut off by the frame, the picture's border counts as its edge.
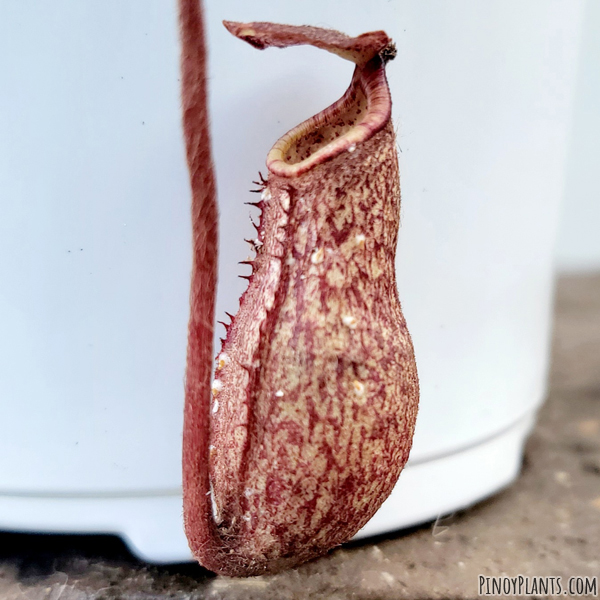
(357, 116)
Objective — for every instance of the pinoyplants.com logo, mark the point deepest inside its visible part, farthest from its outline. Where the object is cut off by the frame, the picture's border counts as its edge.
(534, 586)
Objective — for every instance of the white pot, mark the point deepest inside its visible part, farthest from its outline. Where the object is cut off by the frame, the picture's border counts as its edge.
(95, 238)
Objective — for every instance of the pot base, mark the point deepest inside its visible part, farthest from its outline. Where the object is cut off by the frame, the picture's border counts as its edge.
(151, 524)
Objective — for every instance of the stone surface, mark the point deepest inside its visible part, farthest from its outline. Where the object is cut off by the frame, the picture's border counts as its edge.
(547, 523)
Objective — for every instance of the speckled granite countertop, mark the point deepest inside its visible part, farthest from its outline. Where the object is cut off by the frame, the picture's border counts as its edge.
(547, 523)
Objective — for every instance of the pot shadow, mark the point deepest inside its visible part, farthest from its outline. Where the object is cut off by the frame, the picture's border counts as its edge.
(37, 556)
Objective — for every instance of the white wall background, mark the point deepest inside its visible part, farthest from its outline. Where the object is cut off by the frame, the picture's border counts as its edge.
(578, 246)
